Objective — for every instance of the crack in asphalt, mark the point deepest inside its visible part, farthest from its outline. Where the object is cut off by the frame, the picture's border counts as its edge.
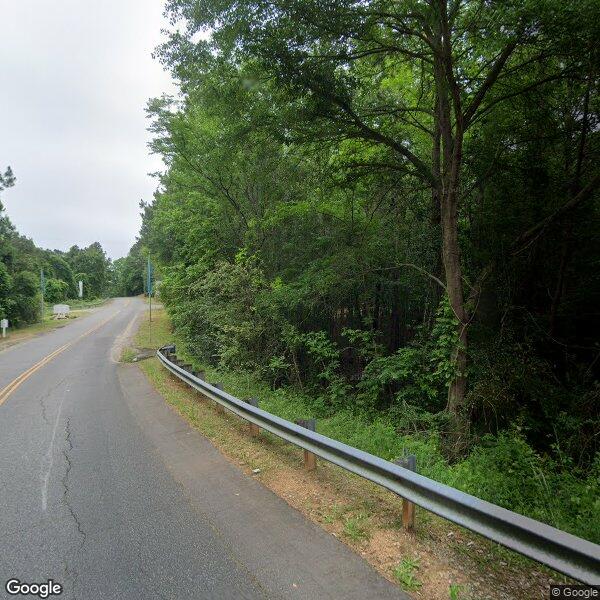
(43, 405)
(65, 483)
(72, 574)
(46, 395)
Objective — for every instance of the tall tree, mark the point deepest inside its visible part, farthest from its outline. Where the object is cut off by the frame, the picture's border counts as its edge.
(410, 80)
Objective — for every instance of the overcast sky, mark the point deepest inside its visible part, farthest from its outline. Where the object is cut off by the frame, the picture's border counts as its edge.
(75, 78)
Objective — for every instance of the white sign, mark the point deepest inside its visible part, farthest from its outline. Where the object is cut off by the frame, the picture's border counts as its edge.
(4, 325)
(61, 311)
(81, 289)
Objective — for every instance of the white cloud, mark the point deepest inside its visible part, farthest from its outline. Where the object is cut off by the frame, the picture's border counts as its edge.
(75, 80)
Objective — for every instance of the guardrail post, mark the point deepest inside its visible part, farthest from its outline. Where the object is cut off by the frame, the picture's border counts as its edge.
(408, 508)
(220, 408)
(310, 459)
(201, 374)
(254, 429)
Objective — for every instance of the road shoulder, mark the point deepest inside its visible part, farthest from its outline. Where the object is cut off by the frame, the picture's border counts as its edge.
(287, 554)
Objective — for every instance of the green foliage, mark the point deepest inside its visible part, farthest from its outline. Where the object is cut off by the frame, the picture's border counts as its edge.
(354, 528)
(56, 290)
(503, 469)
(6, 302)
(506, 470)
(225, 315)
(455, 592)
(304, 234)
(405, 573)
(129, 273)
(92, 267)
(21, 262)
(26, 298)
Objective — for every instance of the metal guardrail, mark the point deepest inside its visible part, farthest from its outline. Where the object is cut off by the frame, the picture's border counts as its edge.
(563, 552)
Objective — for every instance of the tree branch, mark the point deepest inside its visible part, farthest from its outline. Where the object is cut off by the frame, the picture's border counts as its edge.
(489, 82)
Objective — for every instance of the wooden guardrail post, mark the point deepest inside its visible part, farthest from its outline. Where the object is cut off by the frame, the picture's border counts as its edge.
(310, 459)
(199, 374)
(254, 429)
(408, 508)
(220, 408)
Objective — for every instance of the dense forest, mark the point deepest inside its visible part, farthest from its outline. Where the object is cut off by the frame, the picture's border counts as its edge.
(21, 263)
(391, 207)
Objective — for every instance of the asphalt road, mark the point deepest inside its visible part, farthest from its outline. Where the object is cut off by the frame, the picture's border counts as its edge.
(108, 492)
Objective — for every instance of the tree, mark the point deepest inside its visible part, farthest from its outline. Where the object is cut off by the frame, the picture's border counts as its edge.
(440, 68)
(60, 269)
(56, 290)
(128, 273)
(92, 267)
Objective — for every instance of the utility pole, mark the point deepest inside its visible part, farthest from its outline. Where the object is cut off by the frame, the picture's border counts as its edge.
(149, 288)
(43, 289)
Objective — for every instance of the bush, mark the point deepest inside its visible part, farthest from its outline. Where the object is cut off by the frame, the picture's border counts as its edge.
(224, 316)
(505, 470)
(26, 298)
(56, 291)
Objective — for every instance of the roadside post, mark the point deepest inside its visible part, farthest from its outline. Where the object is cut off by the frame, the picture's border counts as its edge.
(43, 289)
(254, 429)
(149, 285)
(149, 290)
(4, 325)
(408, 508)
(310, 459)
(80, 289)
(219, 406)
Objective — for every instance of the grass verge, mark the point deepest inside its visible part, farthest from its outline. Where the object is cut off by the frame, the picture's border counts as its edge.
(20, 334)
(437, 561)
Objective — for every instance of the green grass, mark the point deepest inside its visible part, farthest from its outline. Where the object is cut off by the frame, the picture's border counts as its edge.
(455, 592)
(31, 329)
(155, 333)
(488, 473)
(77, 304)
(77, 309)
(355, 528)
(128, 355)
(405, 573)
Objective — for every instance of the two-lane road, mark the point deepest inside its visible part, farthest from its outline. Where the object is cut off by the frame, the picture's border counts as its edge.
(109, 493)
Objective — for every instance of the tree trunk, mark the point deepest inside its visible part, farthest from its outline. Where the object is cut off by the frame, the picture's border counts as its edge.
(459, 421)
(450, 131)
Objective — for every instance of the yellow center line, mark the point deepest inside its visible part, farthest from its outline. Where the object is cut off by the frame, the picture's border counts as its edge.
(15, 383)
